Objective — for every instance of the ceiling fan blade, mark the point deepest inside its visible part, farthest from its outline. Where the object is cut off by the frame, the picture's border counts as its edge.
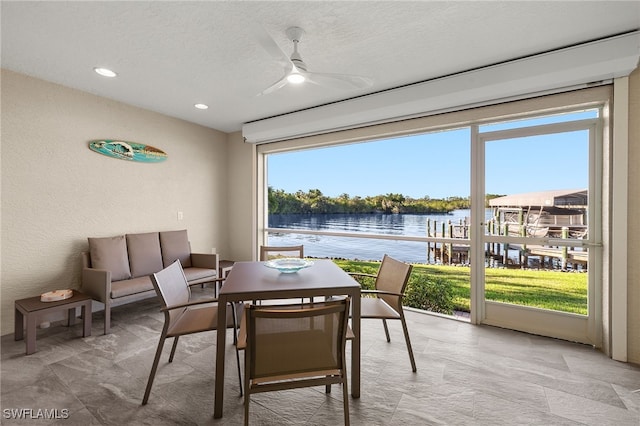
(269, 45)
(275, 86)
(339, 81)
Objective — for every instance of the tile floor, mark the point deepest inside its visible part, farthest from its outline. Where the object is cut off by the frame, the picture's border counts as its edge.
(467, 375)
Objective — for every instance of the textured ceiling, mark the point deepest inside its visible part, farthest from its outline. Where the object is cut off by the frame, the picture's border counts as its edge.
(171, 55)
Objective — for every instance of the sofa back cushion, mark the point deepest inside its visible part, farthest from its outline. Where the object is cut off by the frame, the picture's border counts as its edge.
(110, 253)
(144, 253)
(175, 246)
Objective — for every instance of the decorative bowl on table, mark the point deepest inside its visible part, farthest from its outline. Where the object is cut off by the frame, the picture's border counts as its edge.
(54, 296)
(288, 264)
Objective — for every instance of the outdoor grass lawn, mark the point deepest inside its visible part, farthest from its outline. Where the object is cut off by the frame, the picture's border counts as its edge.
(560, 291)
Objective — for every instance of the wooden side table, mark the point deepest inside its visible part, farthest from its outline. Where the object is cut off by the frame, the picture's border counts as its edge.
(32, 308)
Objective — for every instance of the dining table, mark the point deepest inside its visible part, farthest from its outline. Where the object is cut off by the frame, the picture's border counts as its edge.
(255, 281)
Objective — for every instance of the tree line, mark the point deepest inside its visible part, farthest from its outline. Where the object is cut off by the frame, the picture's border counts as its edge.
(314, 201)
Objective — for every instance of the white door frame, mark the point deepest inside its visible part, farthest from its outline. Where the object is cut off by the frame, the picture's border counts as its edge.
(586, 329)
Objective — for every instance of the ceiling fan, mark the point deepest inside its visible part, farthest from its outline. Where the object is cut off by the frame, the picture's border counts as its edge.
(295, 69)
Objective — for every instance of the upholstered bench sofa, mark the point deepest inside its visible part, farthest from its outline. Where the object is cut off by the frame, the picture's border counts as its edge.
(116, 270)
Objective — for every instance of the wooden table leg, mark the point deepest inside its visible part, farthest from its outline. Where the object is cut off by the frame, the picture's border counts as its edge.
(31, 333)
(71, 317)
(18, 325)
(355, 346)
(220, 352)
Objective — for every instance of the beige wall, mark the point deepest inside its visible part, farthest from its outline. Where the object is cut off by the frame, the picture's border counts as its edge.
(633, 271)
(56, 192)
(241, 199)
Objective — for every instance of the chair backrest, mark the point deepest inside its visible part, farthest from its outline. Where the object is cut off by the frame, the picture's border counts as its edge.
(295, 341)
(172, 287)
(274, 252)
(393, 276)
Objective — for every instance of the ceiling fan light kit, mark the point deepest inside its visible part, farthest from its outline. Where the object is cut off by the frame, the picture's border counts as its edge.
(295, 78)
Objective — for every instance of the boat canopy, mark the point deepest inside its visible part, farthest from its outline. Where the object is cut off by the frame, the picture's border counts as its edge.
(567, 198)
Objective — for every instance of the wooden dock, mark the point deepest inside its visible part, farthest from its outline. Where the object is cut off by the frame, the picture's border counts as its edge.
(564, 254)
(508, 255)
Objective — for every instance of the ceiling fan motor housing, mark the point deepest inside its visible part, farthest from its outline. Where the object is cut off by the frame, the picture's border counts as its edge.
(298, 62)
(295, 34)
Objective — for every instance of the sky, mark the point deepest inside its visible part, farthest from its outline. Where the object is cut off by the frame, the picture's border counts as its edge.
(437, 165)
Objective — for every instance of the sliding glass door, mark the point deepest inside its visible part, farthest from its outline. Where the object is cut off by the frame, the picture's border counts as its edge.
(536, 268)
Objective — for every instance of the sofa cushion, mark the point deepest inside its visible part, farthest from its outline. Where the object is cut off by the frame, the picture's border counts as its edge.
(144, 253)
(193, 274)
(110, 253)
(132, 286)
(175, 246)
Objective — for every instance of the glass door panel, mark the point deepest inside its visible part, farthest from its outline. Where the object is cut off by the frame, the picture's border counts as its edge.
(409, 199)
(540, 186)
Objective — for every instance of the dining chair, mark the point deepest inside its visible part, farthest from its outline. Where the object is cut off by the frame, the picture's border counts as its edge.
(274, 252)
(294, 346)
(386, 303)
(181, 315)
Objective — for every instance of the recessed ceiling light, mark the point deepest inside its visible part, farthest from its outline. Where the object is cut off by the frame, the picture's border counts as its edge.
(105, 72)
(201, 106)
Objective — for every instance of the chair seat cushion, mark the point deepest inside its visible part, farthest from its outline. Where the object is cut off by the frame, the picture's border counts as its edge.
(373, 307)
(132, 286)
(196, 274)
(198, 318)
(195, 319)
